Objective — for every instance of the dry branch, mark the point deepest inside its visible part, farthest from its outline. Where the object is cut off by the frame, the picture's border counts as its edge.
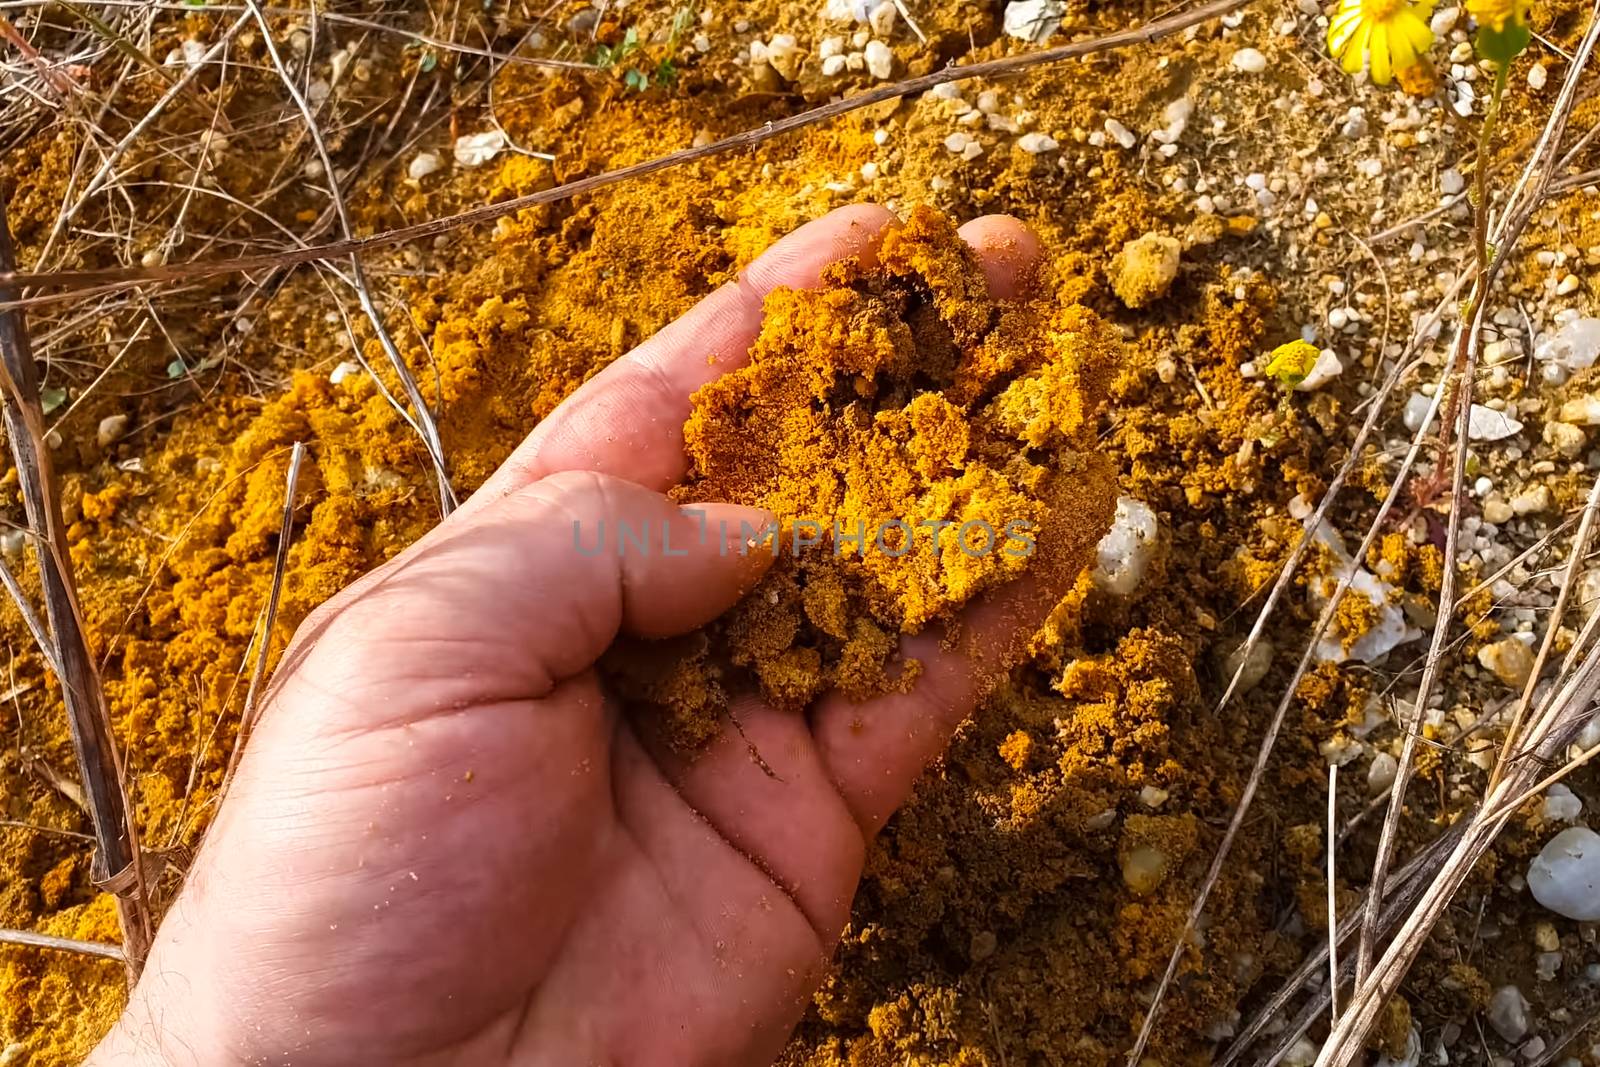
(116, 866)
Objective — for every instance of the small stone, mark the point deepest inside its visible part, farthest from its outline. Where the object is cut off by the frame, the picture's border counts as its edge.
(1561, 804)
(1381, 773)
(1574, 346)
(880, 61)
(957, 142)
(1569, 284)
(1033, 20)
(12, 542)
(1509, 659)
(1538, 74)
(881, 18)
(1124, 552)
(1324, 370)
(1497, 512)
(111, 429)
(1144, 867)
(1152, 796)
(343, 371)
(1036, 143)
(1545, 937)
(1451, 182)
(1583, 410)
(1145, 268)
(1565, 438)
(1508, 1013)
(1565, 876)
(423, 164)
(1249, 60)
(1101, 821)
(1532, 501)
(1121, 134)
(783, 55)
(476, 149)
(1251, 668)
(834, 66)
(1487, 424)
(1444, 20)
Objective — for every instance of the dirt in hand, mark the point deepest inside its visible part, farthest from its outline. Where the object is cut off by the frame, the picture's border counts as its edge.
(918, 443)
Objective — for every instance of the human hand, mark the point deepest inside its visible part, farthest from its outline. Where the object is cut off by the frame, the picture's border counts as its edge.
(446, 844)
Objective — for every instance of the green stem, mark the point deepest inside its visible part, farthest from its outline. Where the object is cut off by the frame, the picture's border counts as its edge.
(1481, 178)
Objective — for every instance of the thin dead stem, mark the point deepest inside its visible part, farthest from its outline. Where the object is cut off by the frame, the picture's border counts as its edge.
(116, 865)
(424, 420)
(269, 617)
(63, 944)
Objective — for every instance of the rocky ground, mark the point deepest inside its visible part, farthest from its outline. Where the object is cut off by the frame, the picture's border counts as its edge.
(1214, 196)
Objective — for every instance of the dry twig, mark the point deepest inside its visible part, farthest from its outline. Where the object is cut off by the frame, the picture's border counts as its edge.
(116, 865)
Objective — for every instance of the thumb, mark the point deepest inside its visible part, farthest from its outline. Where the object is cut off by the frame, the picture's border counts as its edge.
(532, 588)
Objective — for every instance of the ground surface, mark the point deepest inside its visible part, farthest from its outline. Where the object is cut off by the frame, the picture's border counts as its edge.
(1012, 913)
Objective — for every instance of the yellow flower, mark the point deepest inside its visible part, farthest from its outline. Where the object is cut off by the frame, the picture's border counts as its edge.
(1394, 34)
(1290, 363)
(1494, 14)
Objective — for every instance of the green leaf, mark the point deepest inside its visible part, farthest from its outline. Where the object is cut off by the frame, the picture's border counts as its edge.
(637, 80)
(52, 398)
(1505, 44)
(176, 369)
(429, 61)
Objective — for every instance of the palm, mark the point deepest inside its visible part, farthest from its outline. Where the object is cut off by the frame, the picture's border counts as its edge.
(447, 844)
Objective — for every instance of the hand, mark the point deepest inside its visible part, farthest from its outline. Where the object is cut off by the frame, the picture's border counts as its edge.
(445, 844)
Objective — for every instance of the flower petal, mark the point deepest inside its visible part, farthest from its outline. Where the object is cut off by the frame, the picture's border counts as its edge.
(1401, 54)
(1340, 29)
(1378, 48)
(1355, 49)
(1415, 31)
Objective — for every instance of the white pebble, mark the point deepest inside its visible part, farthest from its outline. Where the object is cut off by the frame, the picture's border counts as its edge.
(1451, 182)
(1249, 60)
(423, 165)
(476, 149)
(1324, 370)
(1036, 143)
(1508, 1013)
(1538, 74)
(111, 429)
(882, 18)
(1124, 553)
(1033, 20)
(1565, 876)
(1561, 804)
(1381, 774)
(1569, 284)
(1121, 134)
(957, 142)
(343, 371)
(834, 66)
(880, 61)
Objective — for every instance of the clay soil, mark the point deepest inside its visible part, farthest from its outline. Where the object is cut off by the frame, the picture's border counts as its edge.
(996, 924)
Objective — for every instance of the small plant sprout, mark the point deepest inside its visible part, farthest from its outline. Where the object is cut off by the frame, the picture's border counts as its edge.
(1391, 35)
(1289, 363)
